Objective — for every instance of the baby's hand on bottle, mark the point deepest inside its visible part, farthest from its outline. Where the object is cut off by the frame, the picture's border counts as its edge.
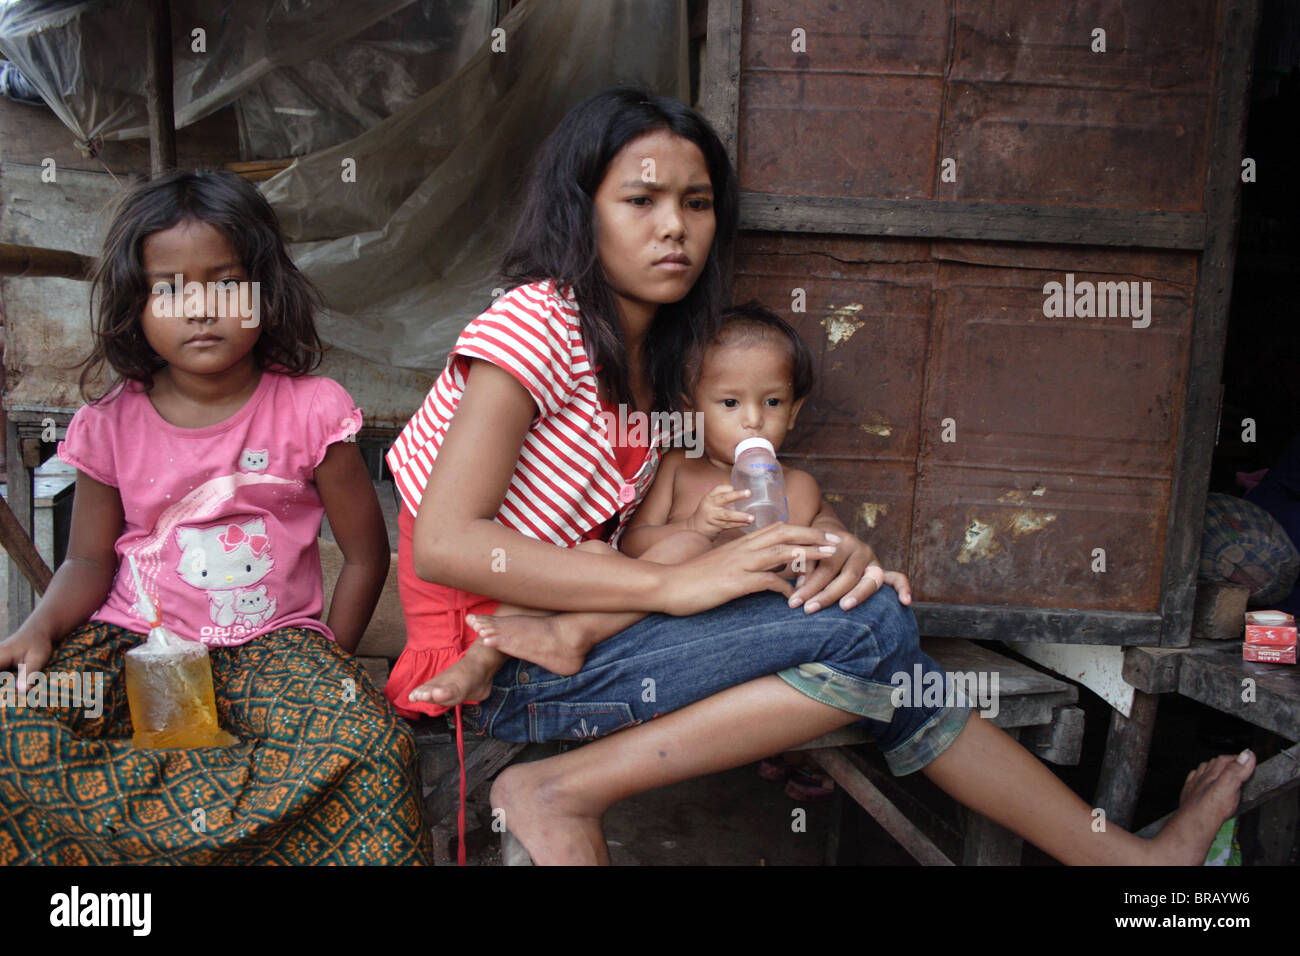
(715, 515)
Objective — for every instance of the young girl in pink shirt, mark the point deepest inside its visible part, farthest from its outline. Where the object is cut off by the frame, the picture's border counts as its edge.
(207, 465)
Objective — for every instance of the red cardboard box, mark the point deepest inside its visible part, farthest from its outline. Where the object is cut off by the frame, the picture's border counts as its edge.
(1270, 638)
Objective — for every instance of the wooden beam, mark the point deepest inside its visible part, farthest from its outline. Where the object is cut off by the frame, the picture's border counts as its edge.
(1055, 626)
(158, 87)
(1124, 764)
(995, 221)
(19, 501)
(35, 261)
(720, 97)
(840, 765)
(1222, 206)
(480, 764)
(23, 551)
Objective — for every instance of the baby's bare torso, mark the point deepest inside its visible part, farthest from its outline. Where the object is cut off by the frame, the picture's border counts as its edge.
(696, 477)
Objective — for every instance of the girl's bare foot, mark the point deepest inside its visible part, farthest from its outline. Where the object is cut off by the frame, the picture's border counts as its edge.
(469, 679)
(553, 830)
(547, 641)
(1209, 797)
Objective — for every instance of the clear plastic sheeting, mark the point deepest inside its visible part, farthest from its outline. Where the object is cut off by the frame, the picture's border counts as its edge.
(89, 62)
(407, 253)
(340, 94)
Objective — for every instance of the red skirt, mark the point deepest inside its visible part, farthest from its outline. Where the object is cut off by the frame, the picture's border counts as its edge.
(436, 633)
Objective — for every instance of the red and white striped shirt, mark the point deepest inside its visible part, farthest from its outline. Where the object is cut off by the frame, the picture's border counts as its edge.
(566, 481)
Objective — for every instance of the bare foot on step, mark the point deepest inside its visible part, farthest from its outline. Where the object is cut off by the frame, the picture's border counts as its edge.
(469, 679)
(1209, 797)
(547, 641)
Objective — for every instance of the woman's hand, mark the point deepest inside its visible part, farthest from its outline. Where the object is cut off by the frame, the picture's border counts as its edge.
(850, 576)
(743, 566)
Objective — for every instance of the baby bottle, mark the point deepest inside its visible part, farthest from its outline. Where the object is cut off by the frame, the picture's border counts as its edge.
(757, 471)
(169, 688)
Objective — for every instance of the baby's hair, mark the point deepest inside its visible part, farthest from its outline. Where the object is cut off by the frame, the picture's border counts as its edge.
(120, 290)
(555, 237)
(750, 324)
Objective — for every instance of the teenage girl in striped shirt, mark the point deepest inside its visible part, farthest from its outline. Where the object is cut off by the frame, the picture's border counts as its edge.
(617, 277)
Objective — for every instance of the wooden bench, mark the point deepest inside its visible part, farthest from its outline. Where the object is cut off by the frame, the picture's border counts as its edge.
(1214, 674)
(1035, 707)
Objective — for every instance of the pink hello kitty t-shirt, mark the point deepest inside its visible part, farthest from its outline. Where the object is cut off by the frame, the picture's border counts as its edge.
(222, 520)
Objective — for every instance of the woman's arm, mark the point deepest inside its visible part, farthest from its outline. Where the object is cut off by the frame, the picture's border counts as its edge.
(358, 525)
(459, 545)
(82, 581)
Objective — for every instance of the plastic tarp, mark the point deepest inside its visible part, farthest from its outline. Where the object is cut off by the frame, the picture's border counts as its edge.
(304, 75)
(406, 255)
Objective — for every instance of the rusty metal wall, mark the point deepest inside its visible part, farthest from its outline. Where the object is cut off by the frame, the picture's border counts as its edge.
(1028, 111)
(998, 454)
(1062, 430)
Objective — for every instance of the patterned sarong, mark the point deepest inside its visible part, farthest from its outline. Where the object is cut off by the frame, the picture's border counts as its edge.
(325, 771)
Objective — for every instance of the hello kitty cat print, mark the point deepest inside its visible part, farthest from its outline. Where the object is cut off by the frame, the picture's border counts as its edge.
(226, 560)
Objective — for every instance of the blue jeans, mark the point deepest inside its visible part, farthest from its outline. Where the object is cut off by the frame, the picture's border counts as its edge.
(842, 658)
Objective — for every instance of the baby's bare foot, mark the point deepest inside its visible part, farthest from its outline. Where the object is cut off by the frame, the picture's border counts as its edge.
(545, 641)
(1209, 797)
(469, 679)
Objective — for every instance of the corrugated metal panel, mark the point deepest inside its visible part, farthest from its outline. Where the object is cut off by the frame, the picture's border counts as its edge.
(1063, 429)
(1027, 110)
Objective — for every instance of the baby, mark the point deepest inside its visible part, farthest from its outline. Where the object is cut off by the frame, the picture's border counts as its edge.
(749, 382)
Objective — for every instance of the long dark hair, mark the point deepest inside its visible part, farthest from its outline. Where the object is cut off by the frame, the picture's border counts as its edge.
(556, 235)
(119, 289)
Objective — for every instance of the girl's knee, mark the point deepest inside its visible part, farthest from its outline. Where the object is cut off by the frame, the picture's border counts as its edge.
(891, 621)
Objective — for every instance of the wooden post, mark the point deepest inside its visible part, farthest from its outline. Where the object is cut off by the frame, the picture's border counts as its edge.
(22, 551)
(158, 91)
(1124, 765)
(19, 477)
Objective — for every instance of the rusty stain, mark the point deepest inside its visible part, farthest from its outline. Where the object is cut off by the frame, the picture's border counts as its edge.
(880, 429)
(1017, 497)
(980, 542)
(870, 511)
(842, 323)
(1027, 522)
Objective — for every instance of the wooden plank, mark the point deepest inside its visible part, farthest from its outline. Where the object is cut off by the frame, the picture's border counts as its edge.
(19, 498)
(158, 87)
(1153, 669)
(1124, 764)
(949, 219)
(1222, 207)
(842, 765)
(480, 764)
(22, 551)
(1272, 778)
(1216, 676)
(720, 96)
(1061, 741)
(32, 261)
(1014, 624)
(1219, 611)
